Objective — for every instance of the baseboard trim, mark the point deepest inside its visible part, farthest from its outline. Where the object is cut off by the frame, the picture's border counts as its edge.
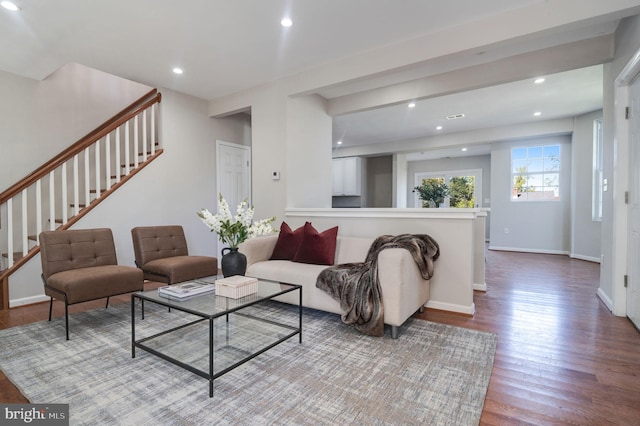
(587, 258)
(28, 300)
(442, 306)
(480, 287)
(605, 299)
(526, 250)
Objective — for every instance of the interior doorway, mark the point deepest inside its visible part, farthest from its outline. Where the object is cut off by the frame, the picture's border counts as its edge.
(233, 175)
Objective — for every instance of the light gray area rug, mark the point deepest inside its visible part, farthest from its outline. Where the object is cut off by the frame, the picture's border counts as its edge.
(433, 374)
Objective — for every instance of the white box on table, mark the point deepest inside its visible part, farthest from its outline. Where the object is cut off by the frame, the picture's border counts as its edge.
(236, 286)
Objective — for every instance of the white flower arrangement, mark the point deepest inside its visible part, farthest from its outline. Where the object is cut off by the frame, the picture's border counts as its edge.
(233, 230)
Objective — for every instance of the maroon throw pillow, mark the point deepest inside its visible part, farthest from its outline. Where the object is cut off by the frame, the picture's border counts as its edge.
(288, 242)
(317, 248)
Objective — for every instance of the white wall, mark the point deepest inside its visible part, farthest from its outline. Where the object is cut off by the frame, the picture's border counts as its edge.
(42, 118)
(309, 146)
(168, 191)
(268, 147)
(536, 226)
(400, 165)
(585, 232)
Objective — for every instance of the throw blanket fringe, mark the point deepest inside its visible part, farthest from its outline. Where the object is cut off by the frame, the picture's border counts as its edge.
(357, 287)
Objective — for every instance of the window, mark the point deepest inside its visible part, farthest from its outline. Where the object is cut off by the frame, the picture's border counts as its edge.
(434, 183)
(596, 208)
(464, 188)
(462, 192)
(535, 173)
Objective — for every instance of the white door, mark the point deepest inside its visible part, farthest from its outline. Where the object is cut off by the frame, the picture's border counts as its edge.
(633, 250)
(233, 174)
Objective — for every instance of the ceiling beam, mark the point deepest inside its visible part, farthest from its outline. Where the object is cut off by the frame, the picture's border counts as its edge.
(552, 60)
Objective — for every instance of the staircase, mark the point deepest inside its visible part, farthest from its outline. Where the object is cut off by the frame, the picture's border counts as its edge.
(68, 186)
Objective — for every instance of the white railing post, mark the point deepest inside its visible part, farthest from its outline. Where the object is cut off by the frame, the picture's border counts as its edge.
(52, 201)
(107, 162)
(10, 232)
(25, 223)
(97, 155)
(118, 159)
(135, 142)
(153, 129)
(87, 174)
(127, 159)
(38, 208)
(65, 202)
(76, 187)
(145, 143)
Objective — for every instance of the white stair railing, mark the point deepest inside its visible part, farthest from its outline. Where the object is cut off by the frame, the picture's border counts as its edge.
(22, 211)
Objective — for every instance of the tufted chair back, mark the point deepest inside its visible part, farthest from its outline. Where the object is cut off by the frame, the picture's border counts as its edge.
(75, 249)
(157, 242)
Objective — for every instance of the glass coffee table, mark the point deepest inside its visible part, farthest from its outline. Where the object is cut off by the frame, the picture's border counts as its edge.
(216, 334)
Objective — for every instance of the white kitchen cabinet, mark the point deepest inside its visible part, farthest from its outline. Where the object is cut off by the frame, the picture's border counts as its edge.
(347, 176)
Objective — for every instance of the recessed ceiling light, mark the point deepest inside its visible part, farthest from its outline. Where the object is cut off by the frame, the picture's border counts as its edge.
(539, 80)
(177, 70)
(411, 105)
(439, 128)
(339, 142)
(9, 6)
(464, 149)
(286, 22)
(537, 113)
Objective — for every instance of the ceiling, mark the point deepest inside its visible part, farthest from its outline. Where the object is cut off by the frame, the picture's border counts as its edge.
(561, 95)
(227, 46)
(223, 46)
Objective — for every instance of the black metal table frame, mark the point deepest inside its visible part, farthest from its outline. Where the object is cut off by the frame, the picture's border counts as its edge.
(204, 317)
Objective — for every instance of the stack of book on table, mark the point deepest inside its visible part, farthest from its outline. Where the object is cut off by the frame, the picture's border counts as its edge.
(186, 290)
(236, 286)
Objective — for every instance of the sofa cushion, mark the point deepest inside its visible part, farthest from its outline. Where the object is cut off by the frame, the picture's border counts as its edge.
(317, 248)
(288, 242)
(286, 272)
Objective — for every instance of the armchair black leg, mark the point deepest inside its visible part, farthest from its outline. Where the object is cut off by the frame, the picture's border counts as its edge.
(66, 317)
(107, 305)
(50, 307)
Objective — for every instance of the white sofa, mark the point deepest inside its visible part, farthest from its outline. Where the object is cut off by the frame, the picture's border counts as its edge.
(404, 291)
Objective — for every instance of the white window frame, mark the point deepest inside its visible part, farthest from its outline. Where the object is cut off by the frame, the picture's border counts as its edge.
(513, 174)
(598, 171)
(447, 175)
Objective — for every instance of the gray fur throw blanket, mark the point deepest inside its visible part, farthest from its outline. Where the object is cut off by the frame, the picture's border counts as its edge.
(357, 287)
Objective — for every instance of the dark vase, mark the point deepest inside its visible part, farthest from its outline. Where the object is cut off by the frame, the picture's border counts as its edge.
(233, 262)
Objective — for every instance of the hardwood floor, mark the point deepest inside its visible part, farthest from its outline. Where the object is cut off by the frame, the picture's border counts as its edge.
(562, 357)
